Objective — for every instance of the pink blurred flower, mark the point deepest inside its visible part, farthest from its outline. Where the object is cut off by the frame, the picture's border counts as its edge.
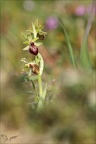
(80, 10)
(51, 23)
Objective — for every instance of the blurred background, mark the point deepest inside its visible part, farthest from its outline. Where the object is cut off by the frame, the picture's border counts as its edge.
(69, 117)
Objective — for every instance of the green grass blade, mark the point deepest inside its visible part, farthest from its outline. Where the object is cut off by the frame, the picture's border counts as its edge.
(72, 57)
(84, 55)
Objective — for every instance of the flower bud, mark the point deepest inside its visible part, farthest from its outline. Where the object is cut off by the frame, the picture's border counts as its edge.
(33, 49)
(41, 37)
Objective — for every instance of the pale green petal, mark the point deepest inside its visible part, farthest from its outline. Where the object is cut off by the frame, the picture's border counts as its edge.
(26, 48)
(34, 30)
(38, 44)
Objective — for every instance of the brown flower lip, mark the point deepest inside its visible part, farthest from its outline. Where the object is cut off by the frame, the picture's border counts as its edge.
(41, 37)
(33, 49)
(35, 68)
(32, 43)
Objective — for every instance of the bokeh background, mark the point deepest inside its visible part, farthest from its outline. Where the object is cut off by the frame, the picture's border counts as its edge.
(69, 117)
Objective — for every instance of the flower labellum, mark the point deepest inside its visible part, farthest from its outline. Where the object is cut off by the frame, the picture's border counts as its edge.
(33, 49)
(35, 68)
(40, 36)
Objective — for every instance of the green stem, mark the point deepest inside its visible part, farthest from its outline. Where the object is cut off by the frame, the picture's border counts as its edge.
(40, 85)
(36, 60)
(40, 104)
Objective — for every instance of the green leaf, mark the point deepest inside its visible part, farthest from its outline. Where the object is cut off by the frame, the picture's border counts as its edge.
(26, 42)
(36, 95)
(36, 23)
(84, 55)
(29, 37)
(29, 73)
(30, 78)
(26, 79)
(44, 92)
(33, 77)
(40, 104)
(42, 32)
(41, 63)
(26, 48)
(42, 99)
(72, 57)
(34, 30)
(29, 31)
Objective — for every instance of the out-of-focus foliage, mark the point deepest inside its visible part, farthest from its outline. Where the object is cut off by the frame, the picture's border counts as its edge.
(69, 115)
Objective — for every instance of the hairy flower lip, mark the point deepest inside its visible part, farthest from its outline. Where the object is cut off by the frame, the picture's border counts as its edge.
(33, 50)
(40, 36)
(35, 68)
(32, 44)
(30, 65)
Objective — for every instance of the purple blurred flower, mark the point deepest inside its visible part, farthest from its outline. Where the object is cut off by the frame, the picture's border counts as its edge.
(51, 23)
(80, 10)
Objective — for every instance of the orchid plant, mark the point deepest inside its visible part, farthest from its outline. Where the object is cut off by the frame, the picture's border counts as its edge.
(34, 68)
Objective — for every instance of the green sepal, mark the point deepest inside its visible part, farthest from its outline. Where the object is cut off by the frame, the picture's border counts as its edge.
(26, 42)
(42, 32)
(35, 39)
(29, 31)
(38, 44)
(24, 35)
(26, 48)
(36, 23)
(34, 30)
(24, 60)
(29, 37)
